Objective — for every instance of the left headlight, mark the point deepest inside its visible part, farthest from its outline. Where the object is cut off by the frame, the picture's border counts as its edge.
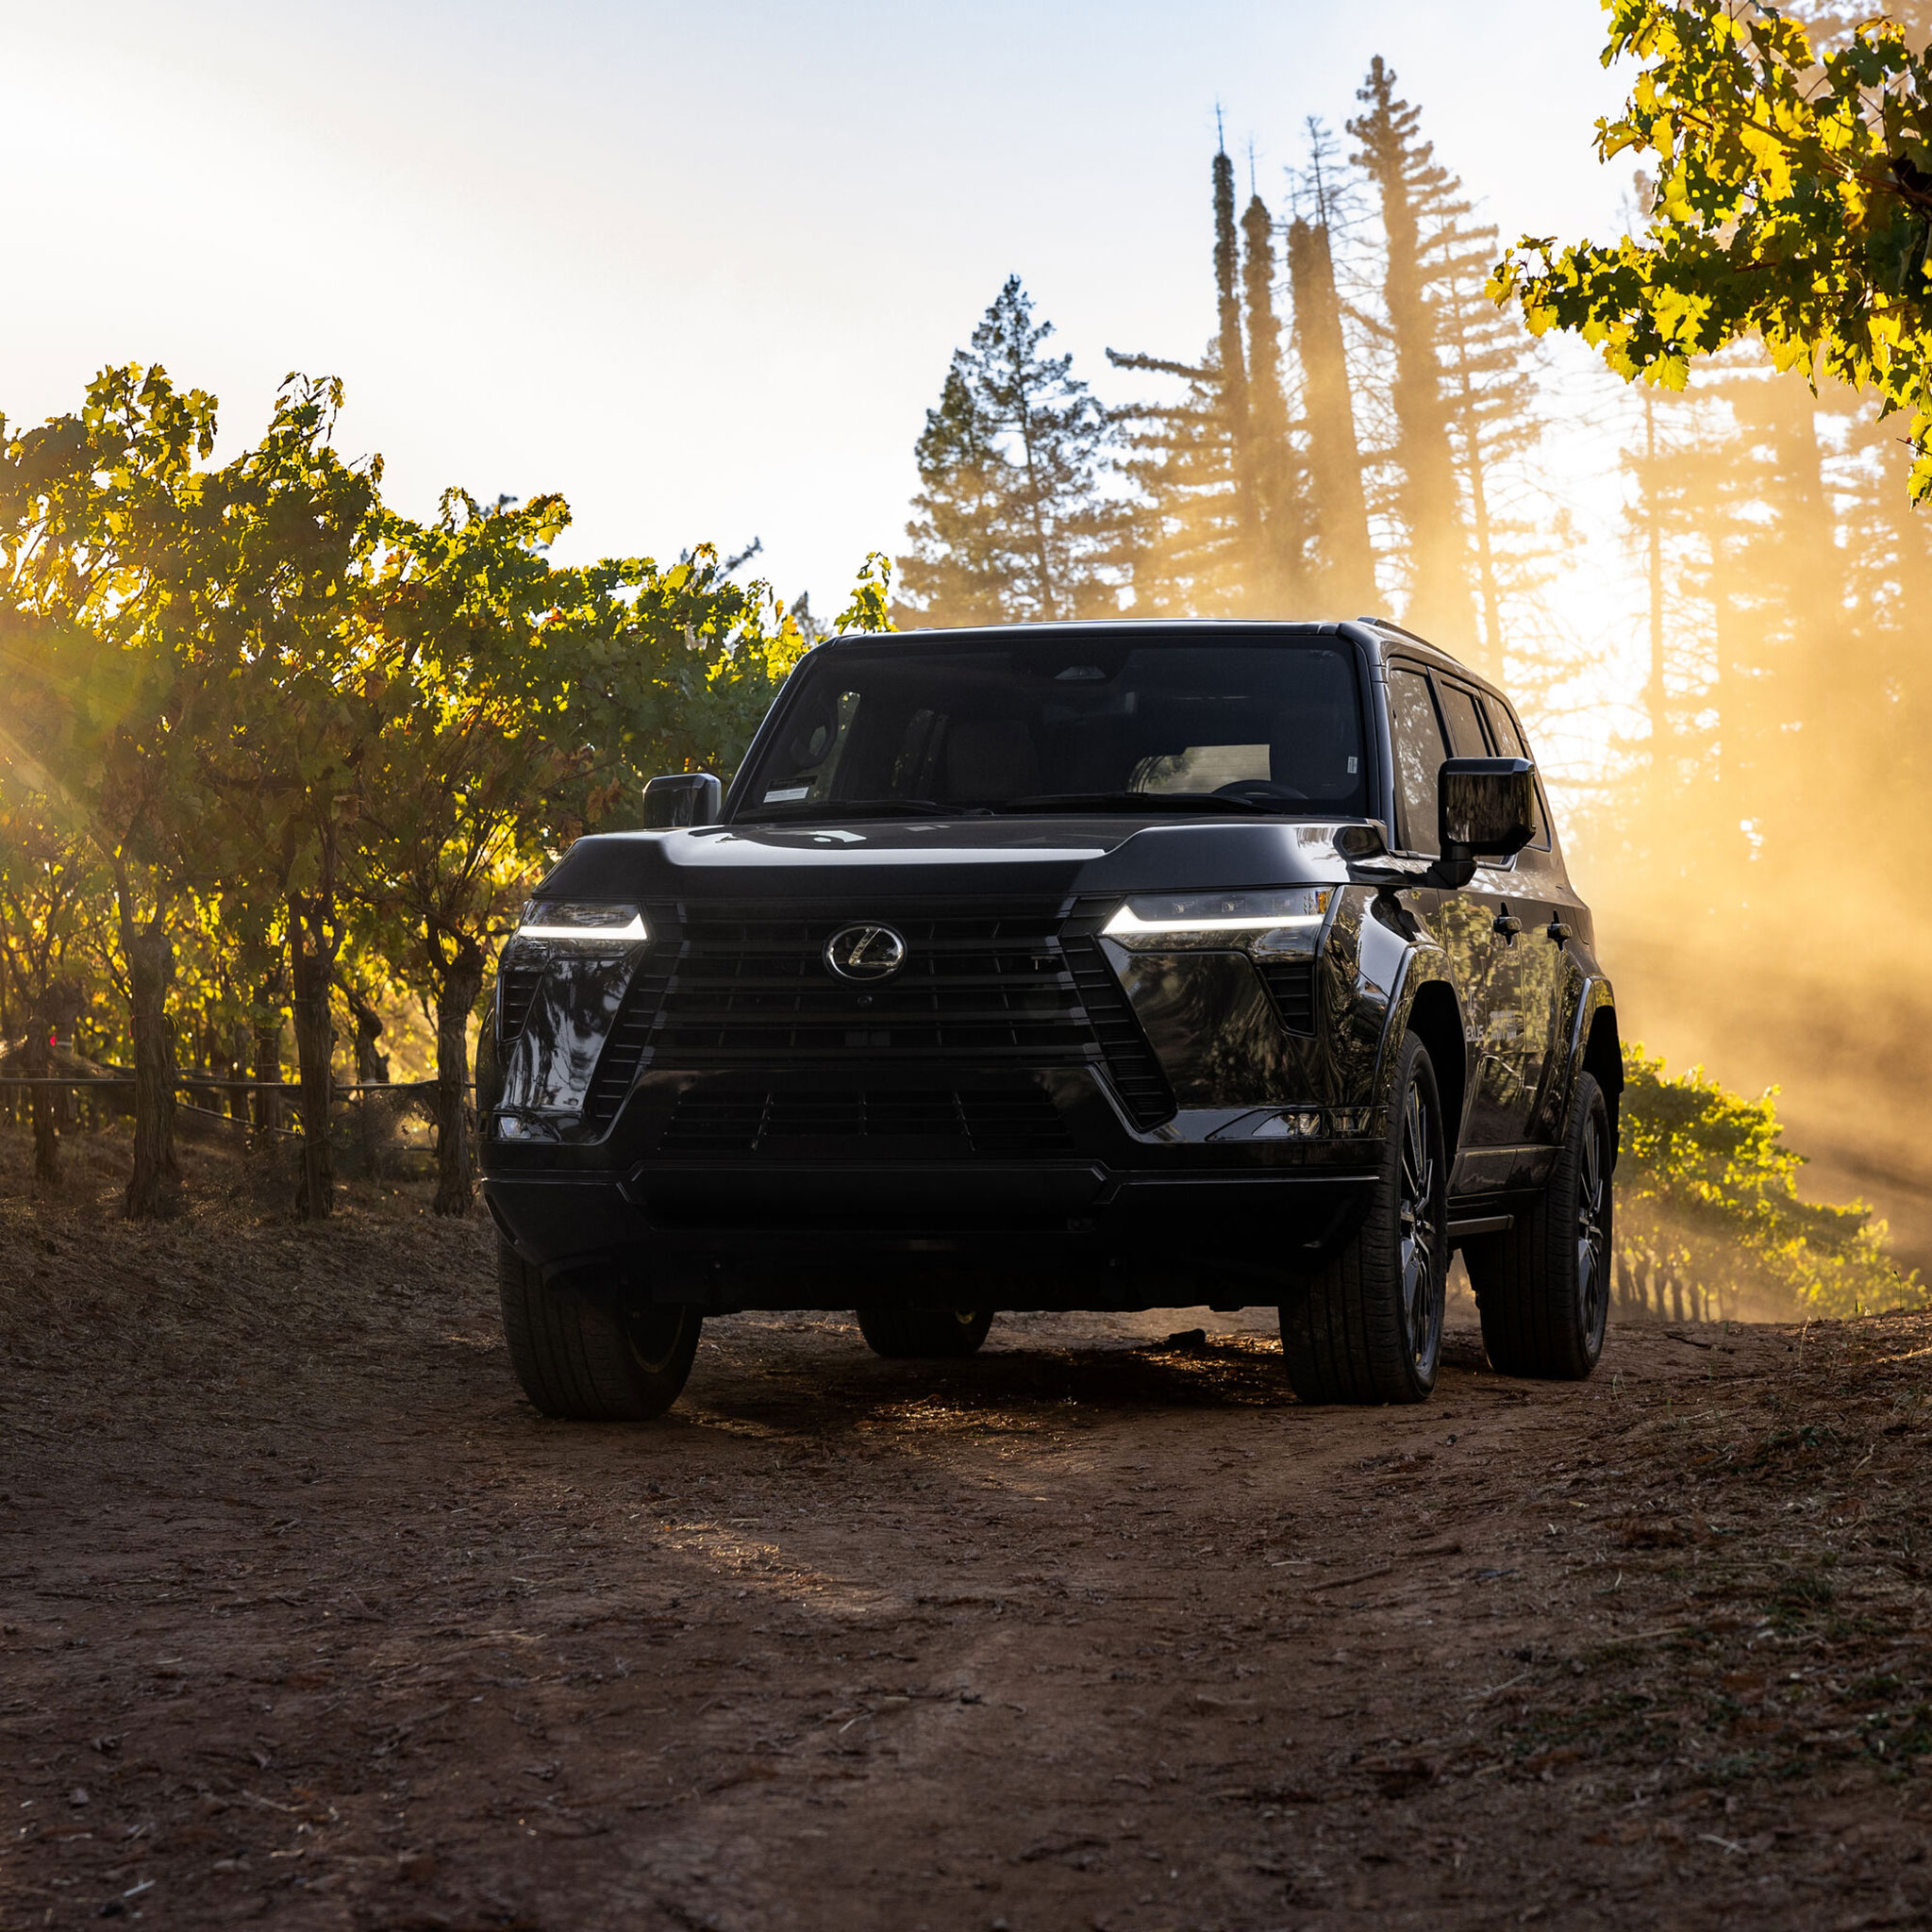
(583, 922)
(1147, 920)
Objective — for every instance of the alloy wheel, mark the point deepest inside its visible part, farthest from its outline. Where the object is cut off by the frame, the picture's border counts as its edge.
(1422, 1302)
(655, 1336)
(1592, 1231)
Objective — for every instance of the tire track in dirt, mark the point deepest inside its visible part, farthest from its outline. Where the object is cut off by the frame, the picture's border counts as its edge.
(309, 1618)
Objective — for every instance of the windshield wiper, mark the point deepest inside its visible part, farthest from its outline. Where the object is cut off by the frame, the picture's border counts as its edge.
(1131, 801)
(854, 808)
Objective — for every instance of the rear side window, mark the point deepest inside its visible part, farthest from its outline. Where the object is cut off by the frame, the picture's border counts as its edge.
(1466, 739)
(1510, 744)
(1419, 755)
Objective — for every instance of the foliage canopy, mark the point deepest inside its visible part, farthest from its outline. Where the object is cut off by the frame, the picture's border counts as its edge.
(1792, 200)
(311, 744)
(1707, 1190)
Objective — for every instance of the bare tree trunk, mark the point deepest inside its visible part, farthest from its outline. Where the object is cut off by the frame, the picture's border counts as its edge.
(1234, 374)
(238, 1096)
(1335, 462)
(1662, 752)
(155, 1186)
(373, 1114)
(460, 986)
(315, 1039)
(40, 1101)
(268, 1058)
(63, 1010)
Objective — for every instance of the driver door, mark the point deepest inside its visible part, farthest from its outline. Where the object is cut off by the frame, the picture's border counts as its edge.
(1458, 921)
(1542, 968)
(1509, 1061)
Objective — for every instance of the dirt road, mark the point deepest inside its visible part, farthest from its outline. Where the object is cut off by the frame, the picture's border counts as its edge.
(309, 1620)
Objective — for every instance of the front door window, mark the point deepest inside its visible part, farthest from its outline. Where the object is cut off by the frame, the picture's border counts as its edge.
(1419, 755)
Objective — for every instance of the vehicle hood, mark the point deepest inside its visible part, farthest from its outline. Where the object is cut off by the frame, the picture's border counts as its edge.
(1098, 853)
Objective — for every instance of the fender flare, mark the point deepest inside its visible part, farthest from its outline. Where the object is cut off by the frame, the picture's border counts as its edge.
(1597, 997)
(1424, 964)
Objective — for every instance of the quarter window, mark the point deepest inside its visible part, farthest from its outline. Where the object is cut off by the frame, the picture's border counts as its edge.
(1466, 739)
(1510, 744)
(1419, 757)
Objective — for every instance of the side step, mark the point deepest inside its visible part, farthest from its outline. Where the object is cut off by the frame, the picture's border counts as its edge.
(1485, 1223)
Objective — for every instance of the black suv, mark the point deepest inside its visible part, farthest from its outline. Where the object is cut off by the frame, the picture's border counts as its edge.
(1083, 966)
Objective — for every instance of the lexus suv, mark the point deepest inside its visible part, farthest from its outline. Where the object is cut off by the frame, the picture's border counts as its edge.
(1104, 966)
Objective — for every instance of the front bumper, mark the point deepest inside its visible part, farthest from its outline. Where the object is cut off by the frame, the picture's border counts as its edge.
(1115, 1218)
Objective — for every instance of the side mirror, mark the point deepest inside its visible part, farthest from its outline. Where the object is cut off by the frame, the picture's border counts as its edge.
(686, 798)
(1484, 807)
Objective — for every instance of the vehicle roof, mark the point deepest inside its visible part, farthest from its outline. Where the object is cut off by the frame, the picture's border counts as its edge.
(1377, 635)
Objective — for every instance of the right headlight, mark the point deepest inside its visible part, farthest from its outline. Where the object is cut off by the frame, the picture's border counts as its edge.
(1151, 920)
(583, 922)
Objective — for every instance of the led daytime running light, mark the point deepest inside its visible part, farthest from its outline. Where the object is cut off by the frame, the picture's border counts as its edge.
(1216, 912)
(552, 920)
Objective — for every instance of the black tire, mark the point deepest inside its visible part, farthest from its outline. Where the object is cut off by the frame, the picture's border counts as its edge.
(1367, 1325)
(579, 1362)
(1543, 1288)
(923, 1334)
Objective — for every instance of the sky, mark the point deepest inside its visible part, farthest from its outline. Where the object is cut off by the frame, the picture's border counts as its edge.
(699, 267)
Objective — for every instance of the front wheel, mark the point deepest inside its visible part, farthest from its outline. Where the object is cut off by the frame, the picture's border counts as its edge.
(1367, 1325)
(1543, 1289)
(923, 1334)
(578, 1361)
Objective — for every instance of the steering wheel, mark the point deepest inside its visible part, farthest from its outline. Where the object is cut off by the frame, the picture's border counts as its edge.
(1260, 791)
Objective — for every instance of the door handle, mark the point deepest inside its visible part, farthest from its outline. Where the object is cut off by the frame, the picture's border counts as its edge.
(1507, 925)
(1556, 931)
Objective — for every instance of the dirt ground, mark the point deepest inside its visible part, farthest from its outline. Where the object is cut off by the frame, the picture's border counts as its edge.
(309, 1618)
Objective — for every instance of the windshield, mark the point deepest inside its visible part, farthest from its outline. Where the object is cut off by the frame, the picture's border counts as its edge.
(1104, 723)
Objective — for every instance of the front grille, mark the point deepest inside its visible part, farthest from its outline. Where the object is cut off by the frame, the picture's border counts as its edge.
(516, 987)
(876, 1124)
(982, 982)
(1290, 984)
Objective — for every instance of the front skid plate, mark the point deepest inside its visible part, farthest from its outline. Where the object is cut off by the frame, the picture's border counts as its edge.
(1077, 1235)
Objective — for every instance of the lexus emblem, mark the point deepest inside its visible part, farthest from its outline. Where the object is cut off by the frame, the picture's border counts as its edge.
(865, 952)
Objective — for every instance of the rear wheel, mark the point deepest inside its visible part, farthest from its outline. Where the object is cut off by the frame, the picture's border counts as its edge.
(923, 1334)
(1543, 1288)
(1367, 1325)
(576, 1360)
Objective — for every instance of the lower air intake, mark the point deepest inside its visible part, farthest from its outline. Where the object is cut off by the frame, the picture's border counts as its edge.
(1290, 984)
(893, 1124)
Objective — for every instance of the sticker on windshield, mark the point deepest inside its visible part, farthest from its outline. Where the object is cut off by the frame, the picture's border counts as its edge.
(790, 794)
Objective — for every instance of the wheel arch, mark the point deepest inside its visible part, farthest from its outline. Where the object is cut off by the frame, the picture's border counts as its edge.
(1428, 1005)
(1596, 1049)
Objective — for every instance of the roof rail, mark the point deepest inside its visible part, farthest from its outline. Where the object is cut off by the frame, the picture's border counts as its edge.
(1389, 623)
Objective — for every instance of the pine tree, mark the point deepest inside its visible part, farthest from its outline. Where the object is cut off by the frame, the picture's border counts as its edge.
(1231, 360)
(1279, 584)
(1826, 680)
(1185, 543)
(960, 570)
(1344, 563)
(1417, 195)
(1224, 522)
(1490, 380)
(1887, 560)
(1684, 529)
(1011, 521)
